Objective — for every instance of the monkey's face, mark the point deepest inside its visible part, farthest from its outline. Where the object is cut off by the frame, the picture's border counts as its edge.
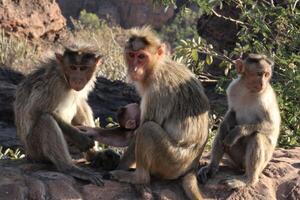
(138, 63)
(78, 68)
(79, 76)
(257, 78)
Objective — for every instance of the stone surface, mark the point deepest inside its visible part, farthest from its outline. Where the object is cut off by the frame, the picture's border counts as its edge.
(31, 18)
(127, 13)
(22, 180)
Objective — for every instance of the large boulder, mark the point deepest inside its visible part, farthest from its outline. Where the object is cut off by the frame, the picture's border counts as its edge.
(31, 18)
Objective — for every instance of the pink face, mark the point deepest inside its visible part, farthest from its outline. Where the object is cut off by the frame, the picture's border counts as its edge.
(256, 80)
(137, 62)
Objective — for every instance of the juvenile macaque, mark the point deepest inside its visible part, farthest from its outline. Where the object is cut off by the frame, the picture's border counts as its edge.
(49, 102)
(174, 116)
(250, 129)
(129, 120)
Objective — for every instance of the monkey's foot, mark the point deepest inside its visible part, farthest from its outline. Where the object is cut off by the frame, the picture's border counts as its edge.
(107, 160)
(236, 183)
(82, 174)
(206, 173)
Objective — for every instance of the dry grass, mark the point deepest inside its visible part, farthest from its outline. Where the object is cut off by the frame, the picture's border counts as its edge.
(17, 53)
(23, 55)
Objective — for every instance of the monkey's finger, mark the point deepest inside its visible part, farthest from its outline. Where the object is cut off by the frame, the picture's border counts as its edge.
(97, 180)
(202, 175)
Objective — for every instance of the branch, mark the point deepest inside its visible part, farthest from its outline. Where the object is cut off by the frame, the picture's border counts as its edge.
(228, 18)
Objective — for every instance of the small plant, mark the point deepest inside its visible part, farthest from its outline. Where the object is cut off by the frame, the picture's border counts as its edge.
(11, 154)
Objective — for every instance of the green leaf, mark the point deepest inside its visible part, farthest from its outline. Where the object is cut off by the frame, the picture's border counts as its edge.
(209, 59)
(194, 55)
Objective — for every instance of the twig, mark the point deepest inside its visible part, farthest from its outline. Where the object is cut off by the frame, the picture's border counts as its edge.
(228, 18)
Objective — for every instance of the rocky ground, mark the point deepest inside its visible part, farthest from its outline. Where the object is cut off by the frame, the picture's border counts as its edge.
(23, 180)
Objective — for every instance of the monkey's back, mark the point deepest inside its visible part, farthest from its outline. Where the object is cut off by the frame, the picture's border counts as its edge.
(37, 93)
(181, 106)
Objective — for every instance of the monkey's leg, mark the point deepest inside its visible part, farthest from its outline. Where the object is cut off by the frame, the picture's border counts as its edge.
(217, 153)
(258, 154)
(83, 142)
(190, 186)
(128, 158)
(151, 141)
(54, 148)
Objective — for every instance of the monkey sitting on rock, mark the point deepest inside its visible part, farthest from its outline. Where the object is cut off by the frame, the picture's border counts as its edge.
(250, 129)
(50, 101)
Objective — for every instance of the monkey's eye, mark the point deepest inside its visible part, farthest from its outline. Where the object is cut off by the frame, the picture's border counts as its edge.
(267, 74)
(83, 68)
(131, 55)
(141, 56)
(260, 73)
(72, 67)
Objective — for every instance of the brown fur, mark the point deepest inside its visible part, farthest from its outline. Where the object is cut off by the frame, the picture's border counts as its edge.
(174, 122)
(45, 107)
(250, 129)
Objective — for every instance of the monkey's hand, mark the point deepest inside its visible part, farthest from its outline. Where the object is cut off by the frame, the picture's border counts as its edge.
(233, 136)
(83, 140)
(205, 173)
(91, 132)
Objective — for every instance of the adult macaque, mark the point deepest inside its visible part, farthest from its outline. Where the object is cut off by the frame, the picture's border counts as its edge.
(129, 119)
(250, 129)
(174, 116)
(52, 99)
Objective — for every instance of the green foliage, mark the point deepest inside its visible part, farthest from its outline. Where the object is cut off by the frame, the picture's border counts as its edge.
(269, 28)
(90, 20)
(183, 26)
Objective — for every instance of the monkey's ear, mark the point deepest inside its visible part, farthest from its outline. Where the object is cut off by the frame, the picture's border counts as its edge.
(59, 57)
(161, 49)
(130, 124)
(98, 60)
(239, 66)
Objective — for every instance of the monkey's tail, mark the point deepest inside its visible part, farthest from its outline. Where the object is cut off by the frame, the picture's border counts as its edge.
(190, 186)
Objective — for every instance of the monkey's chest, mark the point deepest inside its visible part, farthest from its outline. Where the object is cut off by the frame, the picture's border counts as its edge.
(248, 113)
(67, 109)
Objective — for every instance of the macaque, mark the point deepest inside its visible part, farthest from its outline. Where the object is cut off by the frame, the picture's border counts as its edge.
(49, 102)
(174, 116)
(129, 119)
(250, 129)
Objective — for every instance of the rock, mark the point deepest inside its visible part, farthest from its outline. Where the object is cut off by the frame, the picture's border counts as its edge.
(31, 18)
(41, 181)
(127, 13)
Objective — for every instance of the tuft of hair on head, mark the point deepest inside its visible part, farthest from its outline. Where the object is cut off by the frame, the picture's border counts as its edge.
(141, 37)
(253, 58)
(82, 48)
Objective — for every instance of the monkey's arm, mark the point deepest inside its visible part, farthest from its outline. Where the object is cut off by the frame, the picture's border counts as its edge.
(227, 124)
(83, 142)
(217, 152)
(117, 136)
(239, 131)
(84, 115)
